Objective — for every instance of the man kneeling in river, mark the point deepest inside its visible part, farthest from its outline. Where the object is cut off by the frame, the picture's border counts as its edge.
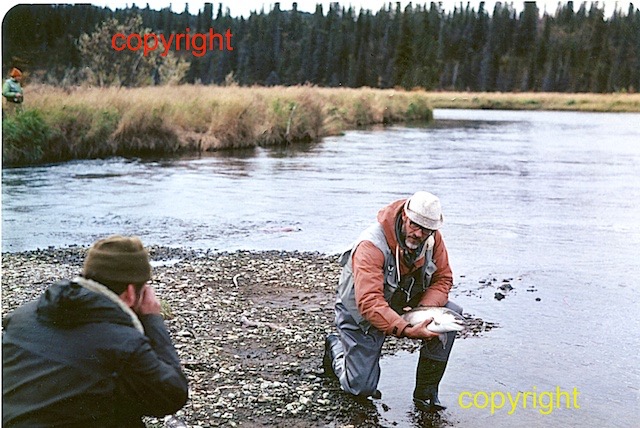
(93, 351)
(398, 263)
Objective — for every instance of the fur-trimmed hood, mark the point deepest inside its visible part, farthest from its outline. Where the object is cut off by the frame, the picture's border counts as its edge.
(68, 304)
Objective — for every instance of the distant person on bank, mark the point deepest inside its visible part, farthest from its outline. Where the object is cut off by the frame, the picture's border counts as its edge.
(397, 263)
(12, 91)
(93, 351)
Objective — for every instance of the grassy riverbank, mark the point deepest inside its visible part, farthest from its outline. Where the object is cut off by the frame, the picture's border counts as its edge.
(618, 103)
(62, 124)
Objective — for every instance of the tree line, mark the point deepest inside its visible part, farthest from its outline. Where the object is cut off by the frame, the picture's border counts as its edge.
(571, 49)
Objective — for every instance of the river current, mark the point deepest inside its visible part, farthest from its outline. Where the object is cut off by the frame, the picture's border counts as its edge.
(545, 200)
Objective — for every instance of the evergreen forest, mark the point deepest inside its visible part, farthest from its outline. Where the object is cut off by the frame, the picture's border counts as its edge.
(575, 48)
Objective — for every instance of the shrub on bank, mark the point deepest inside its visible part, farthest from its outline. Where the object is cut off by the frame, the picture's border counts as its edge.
(24, 138)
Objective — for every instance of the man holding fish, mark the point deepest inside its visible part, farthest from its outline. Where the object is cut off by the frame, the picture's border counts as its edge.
(397, 264)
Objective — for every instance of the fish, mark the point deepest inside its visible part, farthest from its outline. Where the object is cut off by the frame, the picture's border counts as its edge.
(444, 320)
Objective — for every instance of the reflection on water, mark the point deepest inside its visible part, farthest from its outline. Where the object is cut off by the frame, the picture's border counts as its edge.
(547, 197)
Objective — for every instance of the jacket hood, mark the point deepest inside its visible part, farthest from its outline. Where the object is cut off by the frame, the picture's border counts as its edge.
(387, 218)
(68, 304)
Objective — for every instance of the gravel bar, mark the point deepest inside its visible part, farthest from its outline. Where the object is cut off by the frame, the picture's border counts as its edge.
(249, 328)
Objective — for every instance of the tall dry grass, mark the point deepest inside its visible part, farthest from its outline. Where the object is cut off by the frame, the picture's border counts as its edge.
(98, 122)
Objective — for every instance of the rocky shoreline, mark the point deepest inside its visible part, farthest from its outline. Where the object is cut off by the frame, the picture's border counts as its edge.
(249, 328)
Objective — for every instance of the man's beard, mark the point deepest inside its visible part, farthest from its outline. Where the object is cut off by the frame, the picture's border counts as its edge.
(411, 246)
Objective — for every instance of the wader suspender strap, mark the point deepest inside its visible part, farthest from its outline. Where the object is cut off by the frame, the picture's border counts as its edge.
(423, 269)
(406, 291)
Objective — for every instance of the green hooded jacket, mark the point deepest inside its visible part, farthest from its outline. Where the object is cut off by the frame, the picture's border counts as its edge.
(10, 89)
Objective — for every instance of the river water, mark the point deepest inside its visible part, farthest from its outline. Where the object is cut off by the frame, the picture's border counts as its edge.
(547, 201)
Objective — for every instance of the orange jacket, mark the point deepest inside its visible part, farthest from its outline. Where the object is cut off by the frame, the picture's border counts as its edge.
(368, 267)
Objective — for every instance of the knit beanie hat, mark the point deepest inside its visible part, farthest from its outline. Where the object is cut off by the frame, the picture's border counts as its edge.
(118, 259)
(15, 72)
(424, 209)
